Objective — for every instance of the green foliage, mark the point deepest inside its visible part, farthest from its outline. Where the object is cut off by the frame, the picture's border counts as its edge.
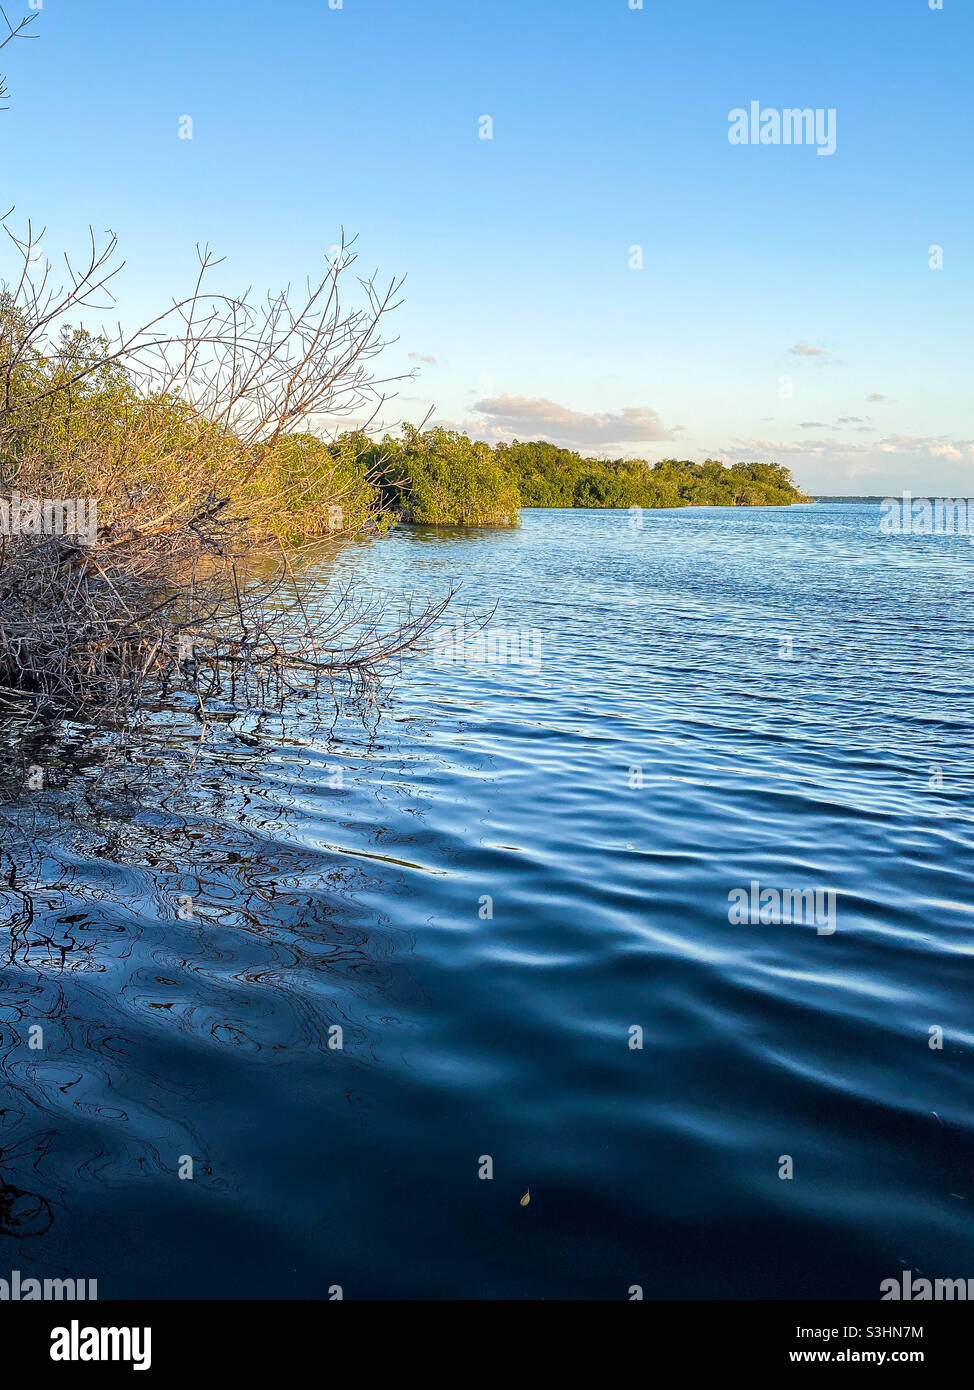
(551, 477)
(73, 424)
(313, 489)
(442, 478)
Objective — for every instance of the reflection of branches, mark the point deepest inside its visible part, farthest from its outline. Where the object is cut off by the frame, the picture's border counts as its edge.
(111, 971)
(14, 31)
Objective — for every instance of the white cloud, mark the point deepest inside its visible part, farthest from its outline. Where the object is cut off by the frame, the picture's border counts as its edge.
(933, 446)
(528, 417)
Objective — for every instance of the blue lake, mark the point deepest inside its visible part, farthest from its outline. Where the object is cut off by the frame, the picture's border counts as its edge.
(509, 889)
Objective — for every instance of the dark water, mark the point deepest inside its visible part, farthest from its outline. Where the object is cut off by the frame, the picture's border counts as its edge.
(667, 751)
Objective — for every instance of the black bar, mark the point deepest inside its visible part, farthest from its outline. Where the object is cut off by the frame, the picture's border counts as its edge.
(263, 1338)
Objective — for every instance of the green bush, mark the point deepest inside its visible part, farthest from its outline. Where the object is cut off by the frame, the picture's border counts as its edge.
(441, 478)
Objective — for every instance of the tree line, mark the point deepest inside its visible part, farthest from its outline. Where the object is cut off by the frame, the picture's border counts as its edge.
(441, 477)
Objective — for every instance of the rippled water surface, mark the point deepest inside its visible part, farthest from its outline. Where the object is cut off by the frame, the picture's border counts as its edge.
(668, 750)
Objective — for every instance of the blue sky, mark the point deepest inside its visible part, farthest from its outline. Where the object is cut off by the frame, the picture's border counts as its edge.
(760, 263)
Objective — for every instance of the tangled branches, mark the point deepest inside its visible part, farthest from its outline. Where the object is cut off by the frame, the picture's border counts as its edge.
(128, 622)
(184, 437)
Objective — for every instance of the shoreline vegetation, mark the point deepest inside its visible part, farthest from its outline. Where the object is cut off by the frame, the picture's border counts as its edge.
(152, 476)
(440, 477)
(186, 447)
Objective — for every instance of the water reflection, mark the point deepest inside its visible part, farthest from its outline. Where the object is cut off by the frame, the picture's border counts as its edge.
(160, 913)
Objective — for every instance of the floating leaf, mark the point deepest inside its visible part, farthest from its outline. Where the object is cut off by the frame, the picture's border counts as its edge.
(526, 1198)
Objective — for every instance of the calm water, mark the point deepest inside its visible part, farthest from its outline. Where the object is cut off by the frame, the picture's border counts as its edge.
(667, 751)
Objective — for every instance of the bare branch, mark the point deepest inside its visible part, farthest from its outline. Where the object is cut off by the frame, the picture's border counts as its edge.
(14, 31)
